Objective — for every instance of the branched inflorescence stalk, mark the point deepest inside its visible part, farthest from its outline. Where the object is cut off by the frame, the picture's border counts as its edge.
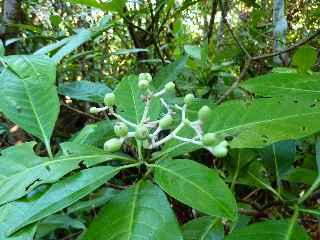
(148, 132)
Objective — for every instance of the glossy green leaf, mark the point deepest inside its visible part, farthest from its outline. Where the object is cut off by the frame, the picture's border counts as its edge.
(2, 49)
(197, 186)
(140, 212)
(271, 229)
(22, 171)
(57, 221)
(56, 198)
(301, 175)
(95, 201)
(169, 73)
(111, 5)
(26, 233)
(128, 94)
(84, 90)
(262, 122)
(193, 51)
(203, 228)
(28, 96)
(95, 134)
(284, 84)
(278, 157)
(304, 58)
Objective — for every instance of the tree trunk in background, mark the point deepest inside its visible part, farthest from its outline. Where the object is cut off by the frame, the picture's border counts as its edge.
(280, 27)
(11, 14)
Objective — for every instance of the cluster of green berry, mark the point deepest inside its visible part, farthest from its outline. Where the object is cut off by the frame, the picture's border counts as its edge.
(151, 140)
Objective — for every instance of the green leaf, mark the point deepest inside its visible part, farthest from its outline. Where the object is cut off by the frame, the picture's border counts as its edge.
(28, 96)
(22, 171)
(279, 157)
(169, 73)
(100, 199)
(193, 51)
(318, 153)
(203, 228)
(111, 5)
(57, 221)
(140, 212)
(271, 229)
(84, 90)
(130, 51)
(301, 175)
(95, 134)
(2, 49)
(197, 186)
(129, 102)
(56, 198)
(284, 84)
(304, 58)
(26, 233)
(262, 122)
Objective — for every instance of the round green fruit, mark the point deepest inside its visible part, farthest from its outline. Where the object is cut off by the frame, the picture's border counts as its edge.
(112, 145)
(142, 132)
(170, 87)
(204, 113)
(121, 129)
(166, 121)
(219, 151)
(209, 139)
(143, 84)
(145, 76)
(109, 99)
(188, 99)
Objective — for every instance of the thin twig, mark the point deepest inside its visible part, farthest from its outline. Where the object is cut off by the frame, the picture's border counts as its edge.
(212, 17)
(80, 112)
(236, 82)
(288, 49)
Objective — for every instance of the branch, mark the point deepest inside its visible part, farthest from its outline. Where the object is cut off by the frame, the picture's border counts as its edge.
(212, 17)
(285, 50)
(236, 82)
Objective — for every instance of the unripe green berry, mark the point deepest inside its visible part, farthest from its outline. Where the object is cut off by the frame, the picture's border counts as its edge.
(142, 132)
(188, 99)
(109, 99)
(204, 113)
(121, 129)
(219, 151)
(166, 121)
(209, 139)
(143, 84)
(224, 143)
(112, 145)
(94, 110)
(170, 86)
(145, 76)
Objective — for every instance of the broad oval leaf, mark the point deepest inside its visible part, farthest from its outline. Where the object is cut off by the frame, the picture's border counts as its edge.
(203, 228)
(28, 96)
(140, 212)
(22, 171)
(284, 84)
(57, 197)
(84, 90)
(129, 102)
(271, 229)
(197, 186)
(262, 122)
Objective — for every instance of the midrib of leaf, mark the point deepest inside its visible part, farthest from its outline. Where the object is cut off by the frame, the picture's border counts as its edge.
(209, 228)
(45, 139)
(196, 186)
(133, 207)
(57, 161)
(264, 184)
(134, 103)
(265, 121)
(74, 194)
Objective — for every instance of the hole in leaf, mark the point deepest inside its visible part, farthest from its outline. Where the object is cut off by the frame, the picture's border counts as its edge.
(295, 101)
(304, 128)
